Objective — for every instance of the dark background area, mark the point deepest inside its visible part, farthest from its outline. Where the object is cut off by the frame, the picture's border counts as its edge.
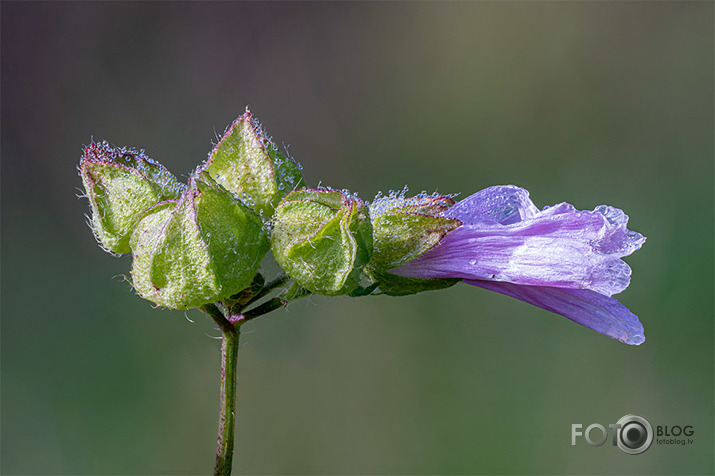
(582, 102)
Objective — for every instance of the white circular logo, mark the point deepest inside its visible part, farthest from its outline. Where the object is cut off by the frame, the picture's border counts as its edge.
(634, 435)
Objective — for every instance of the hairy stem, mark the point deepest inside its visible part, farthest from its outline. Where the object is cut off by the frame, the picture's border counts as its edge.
(279, 281)
(265, 308)
(230, 325)
(293, 292)
(227, 395)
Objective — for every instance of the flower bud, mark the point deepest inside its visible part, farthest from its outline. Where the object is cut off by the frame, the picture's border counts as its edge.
(403, 229)
(198, 249)
(322, 238)
(121, 184)
(247, 163)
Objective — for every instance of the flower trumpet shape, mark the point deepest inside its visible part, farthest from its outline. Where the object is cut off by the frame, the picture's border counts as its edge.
(560, 259)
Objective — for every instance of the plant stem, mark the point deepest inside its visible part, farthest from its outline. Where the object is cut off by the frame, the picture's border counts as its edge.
(280, 280)
(227, 403)
(265, 308)
(291, 294)
(227, 395)
(230, 326)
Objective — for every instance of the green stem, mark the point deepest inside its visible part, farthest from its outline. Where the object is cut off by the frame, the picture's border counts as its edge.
(230, 326)
(291, 294)
(279, 281)
(227, 396)
(265, 308)
(227, 403)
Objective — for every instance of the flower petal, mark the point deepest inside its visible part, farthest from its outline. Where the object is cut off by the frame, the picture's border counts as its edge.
(504, 204)
(560, 247)
(601, 313)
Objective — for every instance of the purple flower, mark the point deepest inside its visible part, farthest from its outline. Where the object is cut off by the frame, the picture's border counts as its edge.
(560, 259)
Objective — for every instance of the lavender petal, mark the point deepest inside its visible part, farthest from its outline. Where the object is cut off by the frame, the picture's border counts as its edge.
(504, 204)
(566, 249)
(603, 314)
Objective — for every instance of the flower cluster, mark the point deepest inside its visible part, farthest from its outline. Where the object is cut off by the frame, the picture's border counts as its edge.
(202, 243)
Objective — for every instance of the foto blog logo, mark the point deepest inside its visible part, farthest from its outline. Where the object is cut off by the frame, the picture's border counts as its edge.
(633, 434)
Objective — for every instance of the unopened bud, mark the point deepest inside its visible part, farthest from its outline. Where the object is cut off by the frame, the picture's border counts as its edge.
(198, 249)
(121, 184)
(322, 238)
(403, 229)
(247, 163)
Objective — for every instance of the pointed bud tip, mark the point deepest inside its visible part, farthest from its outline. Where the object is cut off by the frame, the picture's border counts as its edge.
(247, 162)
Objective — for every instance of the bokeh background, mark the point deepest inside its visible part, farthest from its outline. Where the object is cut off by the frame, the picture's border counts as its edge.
(583, 102)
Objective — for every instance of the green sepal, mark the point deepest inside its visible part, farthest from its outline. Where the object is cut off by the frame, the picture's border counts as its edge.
(402, 233)
(246, 162)
(199, 249)
(394, 285)
(322, 239)
(121, 184)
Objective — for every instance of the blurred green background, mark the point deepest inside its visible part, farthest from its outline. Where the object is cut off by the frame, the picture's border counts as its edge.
(582, 102)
